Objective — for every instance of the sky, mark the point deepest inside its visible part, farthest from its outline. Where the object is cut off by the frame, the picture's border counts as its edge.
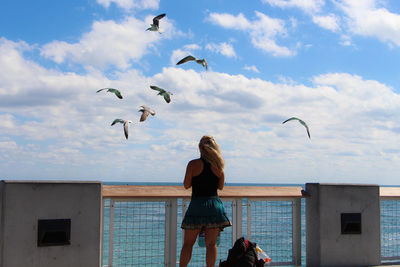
(332, 63)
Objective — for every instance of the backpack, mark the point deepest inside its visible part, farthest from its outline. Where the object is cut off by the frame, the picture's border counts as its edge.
(242, 254)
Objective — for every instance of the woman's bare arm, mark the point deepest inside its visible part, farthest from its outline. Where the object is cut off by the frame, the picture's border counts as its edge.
(187, 183)
(221, 180)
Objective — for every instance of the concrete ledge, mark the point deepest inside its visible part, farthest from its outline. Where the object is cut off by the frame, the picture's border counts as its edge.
(327, 242)
(24, 203)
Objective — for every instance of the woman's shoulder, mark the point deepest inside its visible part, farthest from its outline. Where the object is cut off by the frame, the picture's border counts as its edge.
(195, 161)
(196, 165)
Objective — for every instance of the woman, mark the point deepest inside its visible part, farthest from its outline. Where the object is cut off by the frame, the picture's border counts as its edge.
(206, 211)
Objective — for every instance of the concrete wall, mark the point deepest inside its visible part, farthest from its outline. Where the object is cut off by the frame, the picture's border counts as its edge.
(326, 245)
(24, 203)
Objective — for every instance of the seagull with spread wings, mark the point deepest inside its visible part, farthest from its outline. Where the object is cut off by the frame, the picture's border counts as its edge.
(155, 26)
(202, 62)
(125, 123)
(112, 90)
(146, 111)
(162, 92)
(302, 123)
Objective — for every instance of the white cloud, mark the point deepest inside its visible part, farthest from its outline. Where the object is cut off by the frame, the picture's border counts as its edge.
(177, 55)
(8, 145)
(366, 19)
(192, 47)
(345, 40)
(353, 123)
(312, 7)
(130, 4)
(270, 29)
(305, 5)
(234, 106)
(109, 42)
(222, 48)
(329, 22)
(251, 68)
(229, 21)
(293, 22)
(14, 69)
(52, 101)
(263, 32)
(7, 122)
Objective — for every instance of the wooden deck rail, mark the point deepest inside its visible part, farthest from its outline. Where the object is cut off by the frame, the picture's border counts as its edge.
(389, 192)
(144, 191)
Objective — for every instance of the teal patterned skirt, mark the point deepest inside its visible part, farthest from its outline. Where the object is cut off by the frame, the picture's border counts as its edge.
(205, 212)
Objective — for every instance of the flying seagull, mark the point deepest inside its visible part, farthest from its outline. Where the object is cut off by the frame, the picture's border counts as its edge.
(125, 123)
(302, 122)
(165, 94)
(202, 62)
(155, 26)
(146, 111)
(112, 90)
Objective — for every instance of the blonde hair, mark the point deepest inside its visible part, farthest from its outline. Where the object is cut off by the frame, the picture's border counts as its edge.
(210, 151)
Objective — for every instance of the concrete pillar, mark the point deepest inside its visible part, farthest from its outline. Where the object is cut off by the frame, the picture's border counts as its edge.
(48, 224)
(342, 225)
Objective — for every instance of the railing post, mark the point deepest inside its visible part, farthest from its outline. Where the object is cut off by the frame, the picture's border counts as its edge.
(248, 219)
(184, 209)
(171, 214)
(237, 219)
(296, 231)
(111, 235)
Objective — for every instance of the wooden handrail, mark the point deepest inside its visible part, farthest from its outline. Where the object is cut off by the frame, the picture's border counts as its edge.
(160, 191)
(146, 191)
(389, 192)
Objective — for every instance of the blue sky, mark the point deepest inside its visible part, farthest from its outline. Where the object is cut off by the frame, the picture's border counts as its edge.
(333, 64)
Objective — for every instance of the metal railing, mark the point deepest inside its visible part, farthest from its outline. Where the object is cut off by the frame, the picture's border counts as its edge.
(276, 226)
(390, 225)
(145, 231)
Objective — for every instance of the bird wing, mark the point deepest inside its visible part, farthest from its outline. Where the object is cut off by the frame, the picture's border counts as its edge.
(156, 19)
(305, 125)
(145, 114)
(205, 64)
(308, 131)
(116, 92)
(102, 89)
(186, 59)
(112, 90)
(157, 88)
(167, 97)
(126, 129)
(116, 121)
(290, 119)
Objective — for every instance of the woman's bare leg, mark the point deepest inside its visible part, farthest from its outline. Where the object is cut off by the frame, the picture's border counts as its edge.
(188, 241)
(211, 236)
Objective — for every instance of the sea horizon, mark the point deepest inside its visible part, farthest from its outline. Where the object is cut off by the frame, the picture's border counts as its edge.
(181, 183)
(226, 184)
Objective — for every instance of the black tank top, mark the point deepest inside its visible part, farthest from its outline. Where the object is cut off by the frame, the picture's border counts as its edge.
(206, 183)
